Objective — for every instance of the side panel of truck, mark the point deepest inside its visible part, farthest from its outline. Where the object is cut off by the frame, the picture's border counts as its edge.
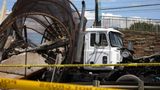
(96, 54)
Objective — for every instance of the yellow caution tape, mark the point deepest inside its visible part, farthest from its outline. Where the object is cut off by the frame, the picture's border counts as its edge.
(81, 65)
(33, 85)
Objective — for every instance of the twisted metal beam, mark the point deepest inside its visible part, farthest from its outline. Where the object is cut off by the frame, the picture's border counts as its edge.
(52, 19)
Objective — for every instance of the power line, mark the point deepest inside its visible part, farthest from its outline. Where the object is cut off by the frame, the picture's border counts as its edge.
(155, 9)
(126, 7)
(134, 1)
(116, 2)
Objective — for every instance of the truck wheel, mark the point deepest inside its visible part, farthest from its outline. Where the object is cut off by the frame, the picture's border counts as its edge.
(131, 78)
(128, 77)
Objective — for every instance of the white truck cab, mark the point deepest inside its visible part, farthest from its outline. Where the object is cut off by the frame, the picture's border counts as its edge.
(102, 46)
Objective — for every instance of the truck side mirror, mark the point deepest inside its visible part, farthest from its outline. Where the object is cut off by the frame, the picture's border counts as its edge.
(130, 46)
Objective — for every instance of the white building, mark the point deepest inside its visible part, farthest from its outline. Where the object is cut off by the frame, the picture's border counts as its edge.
(110, 20)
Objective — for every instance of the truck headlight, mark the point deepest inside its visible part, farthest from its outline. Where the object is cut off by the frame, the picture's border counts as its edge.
(125, 54)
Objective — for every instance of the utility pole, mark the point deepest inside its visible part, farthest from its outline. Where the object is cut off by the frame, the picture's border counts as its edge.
(97, 13)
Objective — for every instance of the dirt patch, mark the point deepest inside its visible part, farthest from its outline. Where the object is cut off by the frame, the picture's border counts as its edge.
(145, 43)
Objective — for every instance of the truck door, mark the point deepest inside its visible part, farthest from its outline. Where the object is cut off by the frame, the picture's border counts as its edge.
(116, 44)
(96, 49)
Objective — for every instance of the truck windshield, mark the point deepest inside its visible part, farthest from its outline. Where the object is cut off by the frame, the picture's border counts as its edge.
(102, 39)
(116, 39)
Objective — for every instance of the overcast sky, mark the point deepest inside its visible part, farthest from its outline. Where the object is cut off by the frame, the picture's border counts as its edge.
(144, 12)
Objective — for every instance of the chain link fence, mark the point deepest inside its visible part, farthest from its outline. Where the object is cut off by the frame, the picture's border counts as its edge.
(131, 23)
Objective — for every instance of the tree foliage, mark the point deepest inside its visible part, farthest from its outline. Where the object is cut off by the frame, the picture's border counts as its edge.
(143, 26)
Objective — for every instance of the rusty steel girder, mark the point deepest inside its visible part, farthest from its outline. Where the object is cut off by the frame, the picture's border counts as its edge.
(40, 26)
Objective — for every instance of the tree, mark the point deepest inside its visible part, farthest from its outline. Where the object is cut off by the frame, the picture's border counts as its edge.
(143, 26)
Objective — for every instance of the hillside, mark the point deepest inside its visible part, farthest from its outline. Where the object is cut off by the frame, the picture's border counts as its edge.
(145, 43)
